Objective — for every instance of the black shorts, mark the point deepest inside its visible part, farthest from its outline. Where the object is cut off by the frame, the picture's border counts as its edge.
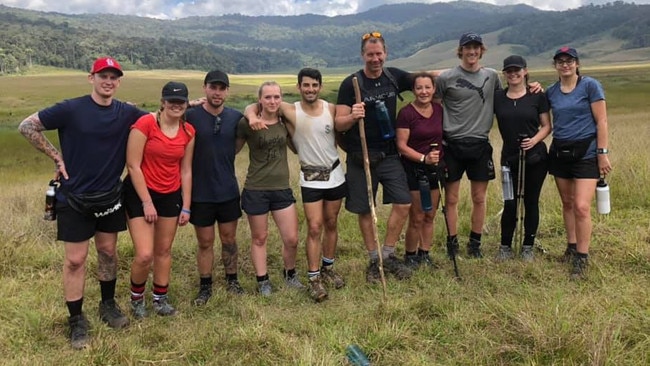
(261, 202)
(73, 227)
(327, 194)
(413, 170)
(207, 213)
(389, 172)
(166, 204)
(473, 156)
(581, 169)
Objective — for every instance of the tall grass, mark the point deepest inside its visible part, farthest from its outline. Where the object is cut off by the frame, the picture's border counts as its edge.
(500, 314)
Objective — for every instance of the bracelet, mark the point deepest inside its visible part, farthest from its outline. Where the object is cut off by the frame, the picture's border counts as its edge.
(184, 210)
(602, 151)
(422, 158)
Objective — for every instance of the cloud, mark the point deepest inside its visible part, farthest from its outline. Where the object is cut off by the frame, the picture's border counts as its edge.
(185, 8)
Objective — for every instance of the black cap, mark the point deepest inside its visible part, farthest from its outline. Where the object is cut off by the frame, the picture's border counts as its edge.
(216, 76)
(175, 91)
(469, 38)
(566, 50)
(514, 61)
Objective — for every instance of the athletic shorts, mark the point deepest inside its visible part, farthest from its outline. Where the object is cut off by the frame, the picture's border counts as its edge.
(389, 172)
(412, 171)
(261, 202)
(207, 213)
(73, 227)
(473, 157)
(166, 204)
(327, 194)
(581, 169)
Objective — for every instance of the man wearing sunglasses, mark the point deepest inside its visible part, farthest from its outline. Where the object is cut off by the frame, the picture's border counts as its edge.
(380, 88)
(215, 192)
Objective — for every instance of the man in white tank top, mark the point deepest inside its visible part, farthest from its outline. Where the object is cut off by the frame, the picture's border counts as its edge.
(322, 179)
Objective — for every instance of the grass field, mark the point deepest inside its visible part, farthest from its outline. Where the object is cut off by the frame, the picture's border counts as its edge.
(500, 314)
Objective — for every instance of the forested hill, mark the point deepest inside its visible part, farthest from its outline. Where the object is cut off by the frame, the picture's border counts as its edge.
(244, 44)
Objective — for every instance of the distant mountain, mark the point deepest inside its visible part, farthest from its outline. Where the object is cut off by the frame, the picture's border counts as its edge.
(418, 35)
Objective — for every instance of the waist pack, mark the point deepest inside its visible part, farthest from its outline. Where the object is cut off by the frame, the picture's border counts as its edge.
(96, 204)
(467, 148)
(570, 150)
(533, 156)
(374, 157)
(318, 173)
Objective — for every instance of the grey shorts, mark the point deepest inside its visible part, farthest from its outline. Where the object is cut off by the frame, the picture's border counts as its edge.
(261, 202)
(389, 172)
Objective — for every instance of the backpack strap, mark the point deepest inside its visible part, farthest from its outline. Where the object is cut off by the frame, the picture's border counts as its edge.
(390, 77)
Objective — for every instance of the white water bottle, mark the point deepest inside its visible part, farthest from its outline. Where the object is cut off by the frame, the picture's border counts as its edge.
(506, 180)
(602, 197)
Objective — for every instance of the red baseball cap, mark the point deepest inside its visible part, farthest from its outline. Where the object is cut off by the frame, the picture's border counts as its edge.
(104, 63)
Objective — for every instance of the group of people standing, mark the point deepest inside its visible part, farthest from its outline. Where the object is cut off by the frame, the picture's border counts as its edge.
(180, 161)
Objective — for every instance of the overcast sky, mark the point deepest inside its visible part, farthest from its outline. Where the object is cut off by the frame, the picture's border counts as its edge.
(168, 9)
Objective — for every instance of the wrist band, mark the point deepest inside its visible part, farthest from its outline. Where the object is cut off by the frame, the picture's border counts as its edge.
(602, 151)
(186, 211)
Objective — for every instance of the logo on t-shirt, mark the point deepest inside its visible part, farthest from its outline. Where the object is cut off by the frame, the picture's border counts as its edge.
(463, 83)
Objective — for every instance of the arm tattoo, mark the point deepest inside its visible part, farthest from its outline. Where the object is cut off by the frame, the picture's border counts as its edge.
(32, 129)
(106, 266)
(229, 257)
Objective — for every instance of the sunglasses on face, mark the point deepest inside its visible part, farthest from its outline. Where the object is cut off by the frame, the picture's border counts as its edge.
(217, 125)
(368, 35)
(565, 62)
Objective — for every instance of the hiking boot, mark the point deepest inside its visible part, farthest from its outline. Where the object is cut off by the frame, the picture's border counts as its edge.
(394, 265)
(205, 293)
(233, 287)
(527, 253)
(317, 290)
(372, 272)
(162, 307)
(412, 261)
(111, 314)
(79, 327)
(294, 283)
(138, 309)
(579, 268)
(331, 277)
(568, 255)
(426, 261)
(452, 248)
(264, 288)
(474, 249)
(505, 253)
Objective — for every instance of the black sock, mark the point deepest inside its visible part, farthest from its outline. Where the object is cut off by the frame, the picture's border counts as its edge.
(451, 238)
(107, 289)
(74, 307)
(572, 247)
(205, 281)
(582, 255)
(231, 277)
(262, 278)
(288, 273)
(422, 252)
(474, 236)
(411, 253)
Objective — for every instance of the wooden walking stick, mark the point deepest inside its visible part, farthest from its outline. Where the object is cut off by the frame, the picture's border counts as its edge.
(371, 200)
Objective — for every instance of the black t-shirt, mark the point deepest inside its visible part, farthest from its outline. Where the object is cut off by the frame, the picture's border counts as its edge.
(373, 90)
(518, 116)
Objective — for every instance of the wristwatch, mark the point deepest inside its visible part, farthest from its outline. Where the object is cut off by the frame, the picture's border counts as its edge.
(602, 151)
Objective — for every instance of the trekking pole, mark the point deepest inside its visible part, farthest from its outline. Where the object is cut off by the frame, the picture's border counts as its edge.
(366, 168)
(441, 178)
(521, 182)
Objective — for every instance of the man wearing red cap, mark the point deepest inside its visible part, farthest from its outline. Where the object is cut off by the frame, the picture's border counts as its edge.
(93, 131)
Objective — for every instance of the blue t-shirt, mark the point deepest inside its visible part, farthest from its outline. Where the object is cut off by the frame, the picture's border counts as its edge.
(93, 141)
(572, 117)
(213, 167)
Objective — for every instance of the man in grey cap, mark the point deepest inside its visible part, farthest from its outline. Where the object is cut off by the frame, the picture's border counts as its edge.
(215, 192)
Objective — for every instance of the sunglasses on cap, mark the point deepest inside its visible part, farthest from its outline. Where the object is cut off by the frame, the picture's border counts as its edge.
(368, 35)
(217, 125)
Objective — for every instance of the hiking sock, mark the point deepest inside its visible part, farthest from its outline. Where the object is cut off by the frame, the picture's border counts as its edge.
(262, 278)
(327, 262)
(312, 274)
(422, 252)
(74, 307)
(231, 277)
(386, 251)
(108, 289)
(137, 290)
(475, 237)
(573, 247)
(205, 281)
(288, 273)
(410, 253)
(373, 254)
(159, 291)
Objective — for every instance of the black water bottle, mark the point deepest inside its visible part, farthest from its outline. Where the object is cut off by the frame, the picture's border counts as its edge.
(425, 192)
(383, 118)
(50, 202)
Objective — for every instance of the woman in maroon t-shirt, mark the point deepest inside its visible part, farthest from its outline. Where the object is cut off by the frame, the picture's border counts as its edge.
(419, 126)
(158, 194)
